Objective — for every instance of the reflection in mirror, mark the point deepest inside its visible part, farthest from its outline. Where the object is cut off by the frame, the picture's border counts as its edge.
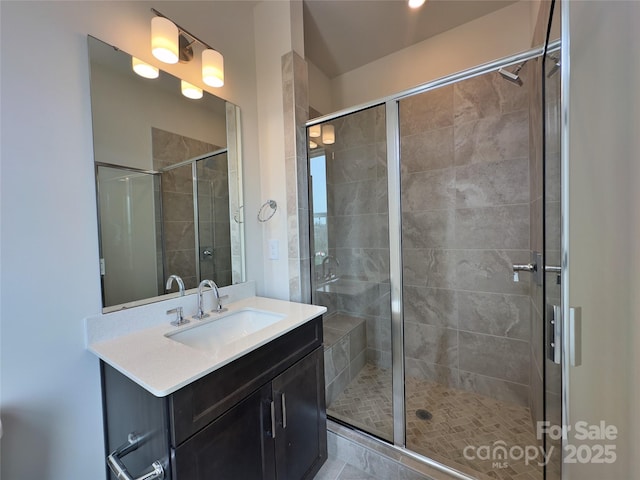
(169, 183)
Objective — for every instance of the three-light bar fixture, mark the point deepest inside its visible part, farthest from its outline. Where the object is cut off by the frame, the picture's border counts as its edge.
(170, 43)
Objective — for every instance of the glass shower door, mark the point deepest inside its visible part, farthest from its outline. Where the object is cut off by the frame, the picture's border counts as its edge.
(214, 226)
(350, 276)
(465, 202)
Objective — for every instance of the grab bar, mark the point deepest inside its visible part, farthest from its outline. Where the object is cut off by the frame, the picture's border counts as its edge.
(120, 471)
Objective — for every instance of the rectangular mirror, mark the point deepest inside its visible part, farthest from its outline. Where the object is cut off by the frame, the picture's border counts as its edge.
(169, 183)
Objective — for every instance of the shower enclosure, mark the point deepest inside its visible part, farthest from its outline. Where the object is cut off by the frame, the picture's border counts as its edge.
(424, 209)
(174, 220)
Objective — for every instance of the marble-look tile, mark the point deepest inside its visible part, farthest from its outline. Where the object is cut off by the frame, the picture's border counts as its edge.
(370, 301)
(366, 264)
(492, 139)
(431, 344)
(330, 470)
(178, 180)
(358, 341)
(379, 333)
(355, 198)
(356, 129)
(494, 314)
(179, 235)
(498, 357)
(535, 214)
(177, 206)
(343, 323)
(368, 461)
(379, 358)
(537, 337)
(336, 359)
(350, 472)
(488, 95)
(427, 150)
(357, 364)
(431, 372)
(428, 229)
(487, 184)
(426, 111)
(182, 263)
(337, 386)
(536, 395)
(331, 336)
(362, 231)
(431, 306)
(502, 390)
(501, 227)
(356, 163)
(382, 194)
(431, 190)
(553, 177)
(430, 267)
(553, 224)
(491, 271)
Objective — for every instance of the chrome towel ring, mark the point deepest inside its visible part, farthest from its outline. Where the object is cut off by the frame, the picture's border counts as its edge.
(261, 213)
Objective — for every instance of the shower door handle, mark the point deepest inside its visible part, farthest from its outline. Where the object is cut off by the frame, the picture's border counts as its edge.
(554, 333)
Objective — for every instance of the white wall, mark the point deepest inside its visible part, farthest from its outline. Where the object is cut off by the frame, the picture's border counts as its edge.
(50, 391)
(276, 33)
(125, 107)
(502, 33)
(604, 216)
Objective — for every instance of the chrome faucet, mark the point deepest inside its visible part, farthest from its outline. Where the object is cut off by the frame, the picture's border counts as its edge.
(179, 281)
(327, 261)
(218, 309)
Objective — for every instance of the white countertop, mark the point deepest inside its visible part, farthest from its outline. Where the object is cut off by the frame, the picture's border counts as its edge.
(162, 366)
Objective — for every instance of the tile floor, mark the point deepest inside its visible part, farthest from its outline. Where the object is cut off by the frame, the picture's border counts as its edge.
(459, 418)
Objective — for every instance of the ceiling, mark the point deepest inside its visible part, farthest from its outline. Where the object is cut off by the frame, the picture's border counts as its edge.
(341, 35)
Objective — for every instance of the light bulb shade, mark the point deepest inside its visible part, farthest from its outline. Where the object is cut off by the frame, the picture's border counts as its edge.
(144, 69)
(416, 3)
(328, 134)
(190, 91)
(314, 131)
(312, 144)
(164, 40)
(212, 68)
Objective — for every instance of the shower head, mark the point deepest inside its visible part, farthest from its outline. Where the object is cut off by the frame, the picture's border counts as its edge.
(512, 76)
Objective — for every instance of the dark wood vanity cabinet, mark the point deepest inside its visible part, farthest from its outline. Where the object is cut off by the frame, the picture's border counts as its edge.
(259, 417)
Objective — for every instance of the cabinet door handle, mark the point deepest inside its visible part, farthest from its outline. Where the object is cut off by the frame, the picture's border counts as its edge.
(284, 411)
(273, 419)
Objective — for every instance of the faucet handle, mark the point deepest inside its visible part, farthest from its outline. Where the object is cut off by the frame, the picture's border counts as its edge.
(179, 320)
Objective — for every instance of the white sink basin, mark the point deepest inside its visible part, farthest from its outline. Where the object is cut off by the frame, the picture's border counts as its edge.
(216, 332)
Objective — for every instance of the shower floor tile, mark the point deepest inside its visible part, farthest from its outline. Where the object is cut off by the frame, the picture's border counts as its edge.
(458, 419)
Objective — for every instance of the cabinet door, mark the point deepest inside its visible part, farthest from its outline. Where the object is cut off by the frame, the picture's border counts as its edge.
(236, 446)
(301, 431)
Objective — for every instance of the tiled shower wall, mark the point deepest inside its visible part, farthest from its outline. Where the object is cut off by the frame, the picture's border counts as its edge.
(213, 219)
(465, 215)
(357, 223)
(177, 201)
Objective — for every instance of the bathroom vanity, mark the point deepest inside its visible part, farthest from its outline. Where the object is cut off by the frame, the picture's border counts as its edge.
(257, 411)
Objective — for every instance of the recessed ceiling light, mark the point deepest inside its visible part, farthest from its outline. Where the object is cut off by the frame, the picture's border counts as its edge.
(416, 3)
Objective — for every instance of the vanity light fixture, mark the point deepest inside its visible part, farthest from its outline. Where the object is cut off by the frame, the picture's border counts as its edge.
(190, 91)
(416, 3)
(314, 131)
(312, 144)
(144, 69)
(328, 134)
(168, 36)
(164, 40)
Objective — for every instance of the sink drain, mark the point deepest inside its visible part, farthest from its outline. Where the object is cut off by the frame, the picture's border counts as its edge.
(423, 414)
